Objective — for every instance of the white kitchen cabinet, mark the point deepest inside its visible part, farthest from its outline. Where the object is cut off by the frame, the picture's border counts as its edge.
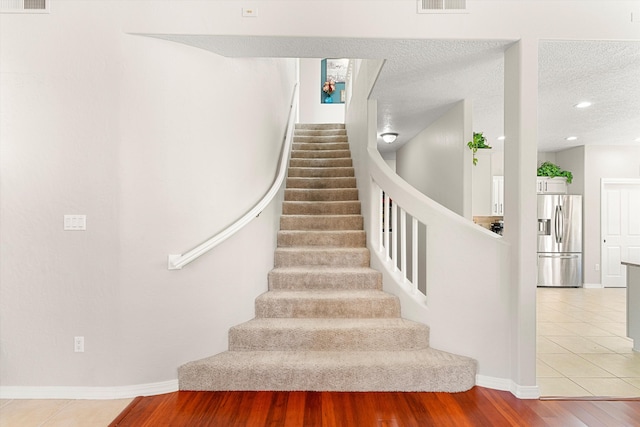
(497, 196)
(481, 185)
(556, 185)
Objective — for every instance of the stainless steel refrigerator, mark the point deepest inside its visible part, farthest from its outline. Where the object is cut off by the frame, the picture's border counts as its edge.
(559, 240)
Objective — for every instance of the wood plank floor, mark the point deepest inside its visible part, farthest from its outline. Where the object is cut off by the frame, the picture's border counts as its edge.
(476, 407)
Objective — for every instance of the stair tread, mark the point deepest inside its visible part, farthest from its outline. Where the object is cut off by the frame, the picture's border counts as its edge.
(321, 178)
(394, 323)
(327, 334)
(327, 190)
(323, 294)
(320, 249)
(394, 359)
(343, 232)
(321, 216)
(392, 370)
(294, 249)
(325, 269)
(322, 168)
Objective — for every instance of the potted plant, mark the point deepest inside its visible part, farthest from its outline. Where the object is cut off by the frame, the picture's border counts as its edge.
(551, 170)
(478, 142)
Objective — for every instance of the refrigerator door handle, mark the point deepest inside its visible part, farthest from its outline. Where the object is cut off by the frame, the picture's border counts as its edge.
(558, 256)
(556, 225)
(561, 222)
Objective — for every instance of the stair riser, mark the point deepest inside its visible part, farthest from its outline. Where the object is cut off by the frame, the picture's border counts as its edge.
(320, 195)
(320, 145)
(320, 208)
(320, 154)
(325, 132)
(335, 259)
(328, 377)
(321, 172)
(342, 182)
(379, 308)
(345, 239)
(301, 281)
(330, 339)
(321, 163)
(324, 138)
(320, 126)
(321, 222)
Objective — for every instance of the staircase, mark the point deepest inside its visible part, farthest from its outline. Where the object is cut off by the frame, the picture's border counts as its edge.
(325, 324)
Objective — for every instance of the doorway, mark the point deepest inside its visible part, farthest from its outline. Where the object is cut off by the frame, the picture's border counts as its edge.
(620, 229)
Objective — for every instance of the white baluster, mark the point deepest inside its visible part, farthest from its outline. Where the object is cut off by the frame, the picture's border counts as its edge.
(414, 253)
(403, 243)
(386, 226)
(394, 235)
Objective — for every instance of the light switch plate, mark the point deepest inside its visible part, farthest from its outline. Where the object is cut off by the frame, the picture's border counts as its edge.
(75, 222)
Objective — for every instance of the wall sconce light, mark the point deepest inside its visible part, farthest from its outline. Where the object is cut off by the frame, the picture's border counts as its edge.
(389, 137)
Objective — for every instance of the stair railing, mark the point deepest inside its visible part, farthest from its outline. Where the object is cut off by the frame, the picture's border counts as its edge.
(177, 261)
(402, 239)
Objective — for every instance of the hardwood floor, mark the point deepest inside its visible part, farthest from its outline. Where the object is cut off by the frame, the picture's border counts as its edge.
(476, 407)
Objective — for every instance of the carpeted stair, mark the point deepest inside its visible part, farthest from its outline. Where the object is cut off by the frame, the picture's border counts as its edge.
(325, 324)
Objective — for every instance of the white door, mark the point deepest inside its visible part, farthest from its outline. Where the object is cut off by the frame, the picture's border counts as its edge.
(620, 230)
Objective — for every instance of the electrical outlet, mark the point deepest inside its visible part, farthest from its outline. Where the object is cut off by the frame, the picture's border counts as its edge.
(78, 344)
(597, 267)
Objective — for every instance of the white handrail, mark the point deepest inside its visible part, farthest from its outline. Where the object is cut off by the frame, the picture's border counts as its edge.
(176, 262)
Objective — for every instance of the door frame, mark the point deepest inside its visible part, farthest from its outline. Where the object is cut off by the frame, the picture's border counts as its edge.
(603, 182)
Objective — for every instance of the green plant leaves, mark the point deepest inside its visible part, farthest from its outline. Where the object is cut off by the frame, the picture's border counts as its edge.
(551, 170)
(479, 141)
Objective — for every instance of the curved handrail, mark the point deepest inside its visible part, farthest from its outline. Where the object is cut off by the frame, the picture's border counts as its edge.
(176, 262)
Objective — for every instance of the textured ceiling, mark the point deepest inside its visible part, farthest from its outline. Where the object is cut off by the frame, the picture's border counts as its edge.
(606, 73)
(422, 79)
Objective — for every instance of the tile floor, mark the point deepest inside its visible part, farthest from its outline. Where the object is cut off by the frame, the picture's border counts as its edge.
(582, 351)
(582, 345)
(59, 413)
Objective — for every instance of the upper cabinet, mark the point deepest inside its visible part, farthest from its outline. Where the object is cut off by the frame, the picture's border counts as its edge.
(481, 185)
(497, 196)
(556, 185)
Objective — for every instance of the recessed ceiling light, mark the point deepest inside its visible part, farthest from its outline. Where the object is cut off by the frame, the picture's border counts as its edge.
(583, 104)
(571, 138)
(637, 140)
(501, 138)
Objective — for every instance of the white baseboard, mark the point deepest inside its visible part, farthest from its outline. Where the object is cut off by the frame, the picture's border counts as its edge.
(592, 285)
(124, 392)
(525, 391)
(504, 384)
(98, 393)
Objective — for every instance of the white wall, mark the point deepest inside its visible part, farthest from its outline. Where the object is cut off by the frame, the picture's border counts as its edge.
(573, 160)
(546, 156)
(482, 181)
(144, 137)
(437, 160)
(589, 165)
(490, 164)
(468, 296)
(70, 72)
(312, 110)
(602, 162)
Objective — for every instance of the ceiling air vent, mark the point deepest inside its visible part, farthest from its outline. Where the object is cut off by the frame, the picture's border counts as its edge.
(24, 6)
(442, 6)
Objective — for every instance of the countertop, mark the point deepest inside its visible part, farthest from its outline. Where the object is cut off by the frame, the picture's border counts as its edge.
(633, 264)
